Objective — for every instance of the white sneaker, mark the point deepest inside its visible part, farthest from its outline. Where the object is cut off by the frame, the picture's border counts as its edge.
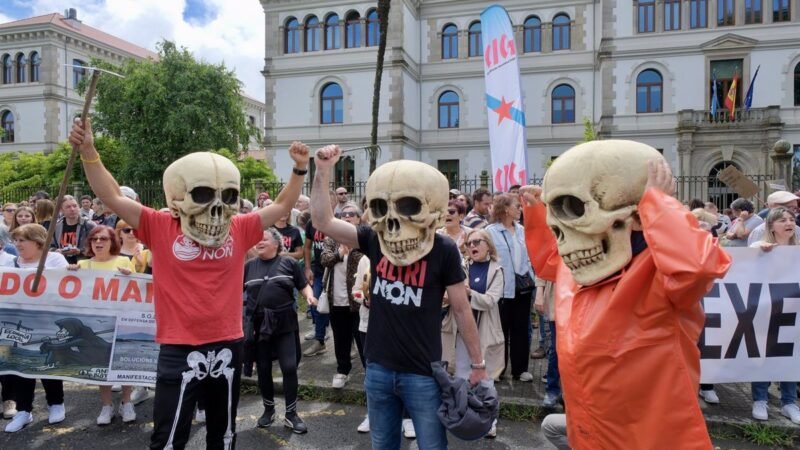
(710, 396)
(792, 411)
(127, 412)
(760, 410)
(9, 409)
(200, 416)
(116, 388)
(20, 421)
(339, 380)
(106, 415)
(310, 335)
(526, 377)
(57, 413)
(139, 395)
(408, 429)
(364, 426)
(492, 431)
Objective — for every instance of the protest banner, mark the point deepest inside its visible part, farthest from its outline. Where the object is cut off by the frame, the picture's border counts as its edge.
(87, 326)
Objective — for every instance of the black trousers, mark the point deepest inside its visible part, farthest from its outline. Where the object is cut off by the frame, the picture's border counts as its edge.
(514, 314)
(172, 364)
(285, 346)
(344, 324)
(25, 387)
(7, 384)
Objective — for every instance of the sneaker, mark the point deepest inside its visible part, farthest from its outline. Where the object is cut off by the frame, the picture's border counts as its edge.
(792, 411)
(57, 413)
(526, 377)
(408, 429)
(9, 409)
(294, 422)
(266, 419)
(760, 410)
(544, 378)
(127, 412)
(339, 380)
(492, 431)
(116, 388)
(310, 335)
(550, 400)
(363, 427)
(317, 348)
(200, 416)
(106, 415)
(20, 421)
(709, 396)
(139, 395)
(539, 353)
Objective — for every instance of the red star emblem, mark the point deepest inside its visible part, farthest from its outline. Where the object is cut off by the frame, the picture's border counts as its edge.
(503, 111)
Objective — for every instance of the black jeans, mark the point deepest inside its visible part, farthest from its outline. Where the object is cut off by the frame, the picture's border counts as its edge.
(24, 388)
(514, 314)
(285, 347)
(172, 365)
(344, 324)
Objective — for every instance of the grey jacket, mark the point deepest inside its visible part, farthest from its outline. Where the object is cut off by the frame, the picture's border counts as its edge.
(84, 227)
(467, 412)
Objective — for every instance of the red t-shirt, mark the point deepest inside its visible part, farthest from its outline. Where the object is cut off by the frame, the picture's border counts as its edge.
(198, 290)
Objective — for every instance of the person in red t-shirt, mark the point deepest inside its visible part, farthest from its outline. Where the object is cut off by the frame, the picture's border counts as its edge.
(198, 248)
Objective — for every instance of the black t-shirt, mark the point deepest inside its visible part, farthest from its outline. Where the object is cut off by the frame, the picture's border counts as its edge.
(291, 237)
(404, 332)
(317, 238)
(282, 275)
(69, 239)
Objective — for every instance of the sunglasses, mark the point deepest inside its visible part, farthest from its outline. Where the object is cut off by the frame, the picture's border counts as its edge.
(474, 242)
(9, 210)
(349, 214)
(127, 230)
(100, 239)
(452, 211)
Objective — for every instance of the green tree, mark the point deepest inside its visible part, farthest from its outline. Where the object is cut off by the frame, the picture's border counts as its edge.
(589, 133)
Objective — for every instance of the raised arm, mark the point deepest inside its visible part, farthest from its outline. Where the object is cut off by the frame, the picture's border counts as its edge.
(321, 211)
(100, 179)
(286, 199)
(539, 239)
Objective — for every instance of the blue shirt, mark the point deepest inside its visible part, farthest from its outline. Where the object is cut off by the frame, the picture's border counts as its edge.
(505, 243)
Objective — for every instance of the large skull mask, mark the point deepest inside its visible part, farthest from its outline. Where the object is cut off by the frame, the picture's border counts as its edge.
(203, 190)
(407, 201)
(592, 192)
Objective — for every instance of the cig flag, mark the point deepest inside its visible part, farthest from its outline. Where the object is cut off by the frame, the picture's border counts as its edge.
(503, 100)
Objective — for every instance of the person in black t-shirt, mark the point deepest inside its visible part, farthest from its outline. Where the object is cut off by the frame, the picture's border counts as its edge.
(314, 271)
(292, 239)
(71, 231)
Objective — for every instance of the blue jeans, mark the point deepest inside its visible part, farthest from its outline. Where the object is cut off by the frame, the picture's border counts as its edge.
(553, 377)
(788, 391)
(388, 392)
(320, 320)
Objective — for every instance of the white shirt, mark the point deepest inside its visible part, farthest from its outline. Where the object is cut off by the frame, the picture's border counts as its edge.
(54, 261)
(340, 297)
(6, 259)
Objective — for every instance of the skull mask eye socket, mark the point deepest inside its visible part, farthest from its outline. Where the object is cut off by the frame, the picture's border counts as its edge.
(567, 207)
(230, 196)
(378, 208)
(408, 206)
(202, 195)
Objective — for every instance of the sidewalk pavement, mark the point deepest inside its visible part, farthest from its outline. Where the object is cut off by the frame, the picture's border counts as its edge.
(316, 373)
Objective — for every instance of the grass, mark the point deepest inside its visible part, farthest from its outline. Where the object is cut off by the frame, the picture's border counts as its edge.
(767, 435)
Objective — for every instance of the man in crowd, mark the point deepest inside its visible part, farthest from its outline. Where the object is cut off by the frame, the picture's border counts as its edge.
(299, 208)
(86, 207)
(341, 200)
(479, 216)
(312, 251)
(292, 239)
(72, 230)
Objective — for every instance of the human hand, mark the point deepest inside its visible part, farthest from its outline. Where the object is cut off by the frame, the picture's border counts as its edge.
(530, 195)
(539, 307)
(300, 154)
(312, 301)
(659, 176)
(766, 246)
(344, 250)
(744, 215)
(327, 156)
(70, 251)
(82, 137)
(476, 375)
(73, 267)
(124, 271)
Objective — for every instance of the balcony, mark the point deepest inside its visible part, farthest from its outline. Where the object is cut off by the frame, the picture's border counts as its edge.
(754, 117)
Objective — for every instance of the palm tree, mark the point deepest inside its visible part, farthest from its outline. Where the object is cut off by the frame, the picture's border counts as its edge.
(383, 18)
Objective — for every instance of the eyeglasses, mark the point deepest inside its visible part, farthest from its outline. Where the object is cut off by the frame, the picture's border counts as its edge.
(452, 211)
(474, 242)
(349, 214)
(127, 230)
(100, 239)
(9, 210)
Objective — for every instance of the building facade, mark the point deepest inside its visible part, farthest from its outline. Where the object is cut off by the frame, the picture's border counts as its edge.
(640, 69)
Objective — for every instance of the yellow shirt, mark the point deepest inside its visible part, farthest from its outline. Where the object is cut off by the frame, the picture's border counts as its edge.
(112, 264)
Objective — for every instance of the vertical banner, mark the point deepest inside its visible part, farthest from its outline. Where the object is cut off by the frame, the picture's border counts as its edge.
(503, 100)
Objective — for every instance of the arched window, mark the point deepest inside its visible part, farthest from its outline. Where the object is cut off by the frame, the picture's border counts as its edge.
(719, 193)
(331, 104)
(797, 85)
(7, 124)
(36, 61)
(563, 104)
(475, 40)
(533, 35)
(449, 42)
(561, 25)
(448, 110)
(333, 33)
(22, 62)
(312, 34)
(649, 92)
(373, 28)
(353, 30)
(291, 42)
(7, 69)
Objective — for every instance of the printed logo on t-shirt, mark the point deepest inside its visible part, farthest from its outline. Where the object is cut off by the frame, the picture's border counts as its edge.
(287, 243)
(400, 285)
(69, 239)
(185, 249)
(319, 240)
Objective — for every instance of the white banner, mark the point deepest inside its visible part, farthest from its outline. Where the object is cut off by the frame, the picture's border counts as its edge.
(752, 331)
(503, 100)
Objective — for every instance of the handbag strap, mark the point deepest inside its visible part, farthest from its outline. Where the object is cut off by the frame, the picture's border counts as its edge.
(510, 251)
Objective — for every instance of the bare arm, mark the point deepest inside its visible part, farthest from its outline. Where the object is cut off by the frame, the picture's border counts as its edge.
(459, 306)
(296, 254)
(307, 256)
(308, 293)
(321, 212)
(288, 196)
(100, 179)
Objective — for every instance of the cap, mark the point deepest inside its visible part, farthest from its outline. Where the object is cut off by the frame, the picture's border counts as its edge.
(778, 197)
(455, 192)
(128, 192)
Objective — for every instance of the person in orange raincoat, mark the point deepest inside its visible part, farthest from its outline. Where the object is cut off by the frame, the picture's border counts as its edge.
(627, 342)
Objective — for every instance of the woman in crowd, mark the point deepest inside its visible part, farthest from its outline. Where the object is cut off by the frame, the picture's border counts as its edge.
(780, 230)
(44, 211)
(746, 221)
(132, 248)
(515, 306)
(22, 216)
(271, 324)
(29, 240)
(9, 405)
(103, 250)
(361, 296)
(452, 225)
(341, 264)
(8, 214)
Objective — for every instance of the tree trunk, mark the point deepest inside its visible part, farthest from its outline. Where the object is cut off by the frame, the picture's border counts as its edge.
(383, 17)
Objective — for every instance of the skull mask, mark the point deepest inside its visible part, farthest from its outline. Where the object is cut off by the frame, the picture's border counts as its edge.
(592, 192)
(407, 201)
(203, 190)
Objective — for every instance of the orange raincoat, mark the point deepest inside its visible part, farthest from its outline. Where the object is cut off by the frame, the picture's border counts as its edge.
(627, 346)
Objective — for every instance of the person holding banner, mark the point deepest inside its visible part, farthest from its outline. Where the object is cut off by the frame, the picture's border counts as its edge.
(29, 240)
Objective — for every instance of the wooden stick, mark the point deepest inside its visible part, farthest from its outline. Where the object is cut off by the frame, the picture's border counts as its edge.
(87, 104)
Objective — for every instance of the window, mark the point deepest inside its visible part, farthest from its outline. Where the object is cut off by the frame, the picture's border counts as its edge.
(561, 25)
(78, 73)
(781, 11)
(725, 14)
(698, 13)
(353, 30)
(563, 104)
(649, 92)
(331, 104)
(532, 35)
(7, 69)
(475, 40)
(21, 69)
(725, 71)
(647, 14)
(312, 34)
(373, 28)
(797, 85)
(449, 168)
(672, 15)
(449, 42)
(752, 11)
(333, 33)
(345, 171)
(36, 61)
(292, 36)
(7, 124)
(448, 110)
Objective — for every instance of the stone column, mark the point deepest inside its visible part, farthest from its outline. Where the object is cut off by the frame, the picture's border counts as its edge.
(781, 156)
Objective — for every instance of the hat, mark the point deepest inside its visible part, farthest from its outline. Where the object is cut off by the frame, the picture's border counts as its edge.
(128, 192)
(455, 192)
(779, 197)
